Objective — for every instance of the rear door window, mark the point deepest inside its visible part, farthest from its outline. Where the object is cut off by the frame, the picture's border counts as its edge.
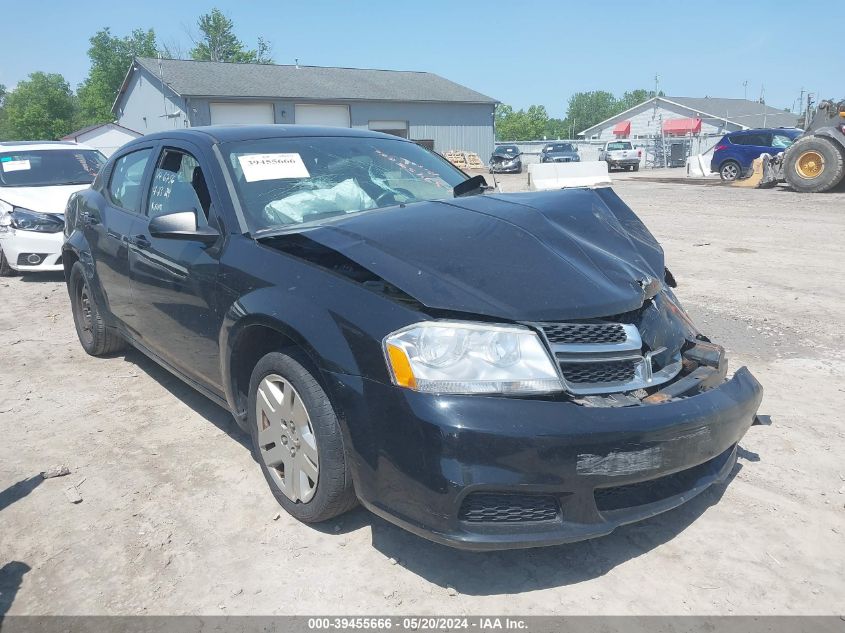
(125, 185)
(759, 139)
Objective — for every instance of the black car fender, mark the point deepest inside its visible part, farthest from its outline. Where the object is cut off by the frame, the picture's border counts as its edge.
(76, 248)
(286, 317)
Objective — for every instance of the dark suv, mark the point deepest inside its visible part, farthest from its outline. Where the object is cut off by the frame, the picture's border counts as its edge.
(376, 321)
(734, 154)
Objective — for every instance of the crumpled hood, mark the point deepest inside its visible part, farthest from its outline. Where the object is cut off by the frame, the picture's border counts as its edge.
(504, 156)
(552, 255)
(42, 199)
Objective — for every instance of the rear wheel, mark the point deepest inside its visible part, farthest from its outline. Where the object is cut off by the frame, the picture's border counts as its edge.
(730, 171)
(5, 269)
(96, 338)
(814, 164)
(297, 440)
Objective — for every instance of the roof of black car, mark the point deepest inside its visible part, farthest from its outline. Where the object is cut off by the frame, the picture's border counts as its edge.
(229, 133)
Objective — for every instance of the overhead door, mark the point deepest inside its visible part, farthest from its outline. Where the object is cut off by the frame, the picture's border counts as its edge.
(241, 112)
(314, 114)
(397, 128)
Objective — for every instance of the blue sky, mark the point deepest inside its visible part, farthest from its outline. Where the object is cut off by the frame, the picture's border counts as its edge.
(518, 52)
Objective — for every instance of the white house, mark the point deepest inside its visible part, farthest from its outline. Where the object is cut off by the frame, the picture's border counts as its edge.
(689, 116)
(106, 137)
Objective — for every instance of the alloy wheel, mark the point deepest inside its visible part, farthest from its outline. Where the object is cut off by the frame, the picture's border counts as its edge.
(730, 171)
(286, 440)
(85, 313)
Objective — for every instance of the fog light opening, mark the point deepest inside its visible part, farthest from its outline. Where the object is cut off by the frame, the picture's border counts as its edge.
(33, 258)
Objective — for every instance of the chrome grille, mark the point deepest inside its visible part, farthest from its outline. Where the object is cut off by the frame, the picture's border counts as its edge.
(585, 332)
(608, 357)
(602, 371)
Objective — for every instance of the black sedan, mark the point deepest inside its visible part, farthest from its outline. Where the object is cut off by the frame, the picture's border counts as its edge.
(487, 371)
(560, 153)
(506, 159)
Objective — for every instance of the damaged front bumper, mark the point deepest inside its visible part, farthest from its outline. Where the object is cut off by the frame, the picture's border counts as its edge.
(505, 168)
(493, 472)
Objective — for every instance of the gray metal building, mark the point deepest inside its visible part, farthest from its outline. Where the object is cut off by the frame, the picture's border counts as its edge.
(162, 94)
(689, 116)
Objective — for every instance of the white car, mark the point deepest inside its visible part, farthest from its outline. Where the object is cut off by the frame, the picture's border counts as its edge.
(36, 180)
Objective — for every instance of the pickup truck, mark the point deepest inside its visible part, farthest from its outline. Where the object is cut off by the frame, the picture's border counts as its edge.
(620, 154)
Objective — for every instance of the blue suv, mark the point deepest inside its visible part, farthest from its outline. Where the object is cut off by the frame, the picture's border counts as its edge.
(733, 155)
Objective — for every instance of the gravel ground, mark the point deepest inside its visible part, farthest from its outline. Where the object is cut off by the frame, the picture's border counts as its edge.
(175, 517)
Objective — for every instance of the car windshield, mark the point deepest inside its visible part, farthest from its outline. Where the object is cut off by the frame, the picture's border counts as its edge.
(619, 145)
(286, 182)
(506, 149)
(49, 167)
(560, 147)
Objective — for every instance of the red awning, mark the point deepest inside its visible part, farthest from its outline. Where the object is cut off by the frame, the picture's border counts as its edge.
(622, 128)
(682, 126)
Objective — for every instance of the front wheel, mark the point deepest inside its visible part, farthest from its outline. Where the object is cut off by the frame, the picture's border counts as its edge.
(96, 338)
(814, 164)
(297, 441)
(636, 168)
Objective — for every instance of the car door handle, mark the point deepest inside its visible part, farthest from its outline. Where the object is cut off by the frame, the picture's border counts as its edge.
(140, 241)
(86, 218)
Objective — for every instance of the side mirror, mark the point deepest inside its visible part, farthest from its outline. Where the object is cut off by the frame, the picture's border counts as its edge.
(182, 225)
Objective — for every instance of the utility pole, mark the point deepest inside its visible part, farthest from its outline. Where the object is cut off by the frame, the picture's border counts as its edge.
(745, 90)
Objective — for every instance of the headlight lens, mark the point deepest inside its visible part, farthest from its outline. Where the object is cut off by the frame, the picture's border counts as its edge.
(455, 357)
(27, 220)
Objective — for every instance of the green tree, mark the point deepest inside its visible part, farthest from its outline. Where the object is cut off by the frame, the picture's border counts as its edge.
(40, 108)
(521, 125)
(219, 43)
(588, 108)
(110, 58)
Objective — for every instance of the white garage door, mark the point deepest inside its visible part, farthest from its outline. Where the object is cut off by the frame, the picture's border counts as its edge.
(313, 114)
(233, 113)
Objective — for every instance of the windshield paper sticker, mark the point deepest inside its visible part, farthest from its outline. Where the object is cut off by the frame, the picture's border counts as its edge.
(272, 166)
(15, 165)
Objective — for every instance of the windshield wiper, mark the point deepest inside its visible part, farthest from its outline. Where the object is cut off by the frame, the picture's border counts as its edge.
(471, 187)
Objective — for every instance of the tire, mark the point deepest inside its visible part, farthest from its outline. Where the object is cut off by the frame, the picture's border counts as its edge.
(305, 439)
(5, 269)
(801, 164)
(96, 338)
(730, 170)
(636, 168)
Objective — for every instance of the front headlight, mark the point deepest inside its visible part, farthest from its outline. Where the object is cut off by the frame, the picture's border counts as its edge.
(27, 220)
(456, 357)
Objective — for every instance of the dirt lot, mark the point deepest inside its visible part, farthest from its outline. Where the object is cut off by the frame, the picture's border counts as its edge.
(175, 516)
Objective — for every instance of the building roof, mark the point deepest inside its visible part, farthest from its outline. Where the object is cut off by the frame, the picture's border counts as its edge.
(748, 114)
(220, 79)
(90, 128)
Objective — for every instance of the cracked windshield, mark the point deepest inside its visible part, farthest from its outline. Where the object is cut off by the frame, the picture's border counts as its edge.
(283, 183)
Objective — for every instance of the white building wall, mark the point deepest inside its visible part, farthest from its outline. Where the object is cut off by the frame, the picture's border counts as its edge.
(106, 139)
(646, 122)
(145, 109)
